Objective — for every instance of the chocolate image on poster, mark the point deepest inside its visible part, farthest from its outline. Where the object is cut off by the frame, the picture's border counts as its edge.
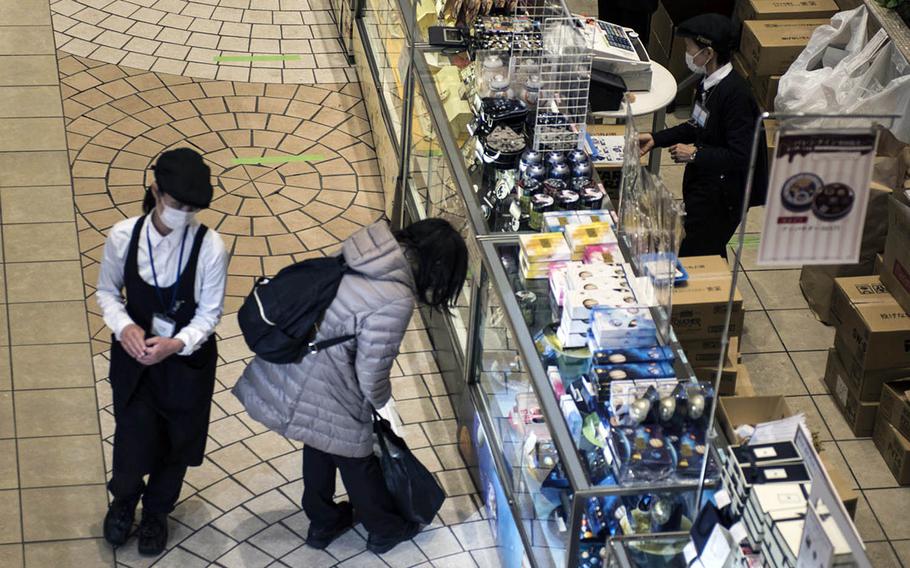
(817, 197)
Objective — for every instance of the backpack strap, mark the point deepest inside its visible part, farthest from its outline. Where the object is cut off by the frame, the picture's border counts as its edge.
(317, 346)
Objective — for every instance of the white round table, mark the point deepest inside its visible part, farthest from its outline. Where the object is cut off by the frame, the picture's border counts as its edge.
(654, 102)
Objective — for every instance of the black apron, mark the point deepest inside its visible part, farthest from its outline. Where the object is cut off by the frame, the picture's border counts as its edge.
(161, 411)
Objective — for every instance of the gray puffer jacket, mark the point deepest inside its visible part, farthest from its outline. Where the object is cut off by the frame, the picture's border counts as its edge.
(325, 400)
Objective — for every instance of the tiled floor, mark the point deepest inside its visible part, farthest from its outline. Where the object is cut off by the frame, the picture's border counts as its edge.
(90, 92)
(77, 135)
(265, 41)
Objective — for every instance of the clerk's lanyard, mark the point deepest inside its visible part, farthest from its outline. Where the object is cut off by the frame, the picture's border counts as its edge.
(169, 308)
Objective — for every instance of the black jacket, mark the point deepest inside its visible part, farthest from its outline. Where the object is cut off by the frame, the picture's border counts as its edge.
(724, 144)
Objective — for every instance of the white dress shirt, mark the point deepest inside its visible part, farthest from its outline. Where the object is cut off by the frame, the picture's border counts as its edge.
(211, 276)
(719, 75)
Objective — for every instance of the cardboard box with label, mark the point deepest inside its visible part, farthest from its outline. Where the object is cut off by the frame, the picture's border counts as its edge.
(895, 405)
(877, 336)
(896, 260)
(769, 47)
(784, 9)
(700, 309)
(856, 290)
(728, 375)
(859, 415)
(894, 448)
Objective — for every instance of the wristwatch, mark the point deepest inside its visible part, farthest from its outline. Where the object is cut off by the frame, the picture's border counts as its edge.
(694, 153)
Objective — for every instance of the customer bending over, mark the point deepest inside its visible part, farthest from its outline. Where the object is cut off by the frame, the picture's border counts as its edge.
(326, 399)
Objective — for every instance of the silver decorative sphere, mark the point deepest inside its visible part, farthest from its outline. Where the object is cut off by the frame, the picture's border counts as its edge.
(696, 406)
(667, 408)
(639, 409)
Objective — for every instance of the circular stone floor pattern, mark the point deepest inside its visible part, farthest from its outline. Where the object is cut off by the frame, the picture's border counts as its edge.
(119, 120)
(293, 41)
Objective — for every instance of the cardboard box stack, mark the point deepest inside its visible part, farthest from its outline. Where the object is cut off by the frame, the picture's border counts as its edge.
(699, 312)
(895, 270)
(871, 347)
(892, 429)
(774, 33)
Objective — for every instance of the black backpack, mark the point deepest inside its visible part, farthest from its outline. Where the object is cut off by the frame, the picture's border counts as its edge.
(279, 317)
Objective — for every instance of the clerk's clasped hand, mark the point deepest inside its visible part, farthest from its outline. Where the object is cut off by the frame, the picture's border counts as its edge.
(158, 349)
(683, 153)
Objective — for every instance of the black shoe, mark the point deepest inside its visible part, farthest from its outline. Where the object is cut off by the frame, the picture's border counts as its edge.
(320, 539)
(152, 534)
(381, 545)
(118, 522)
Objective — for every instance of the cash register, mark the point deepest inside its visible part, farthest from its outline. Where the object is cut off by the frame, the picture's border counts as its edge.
(619, 51)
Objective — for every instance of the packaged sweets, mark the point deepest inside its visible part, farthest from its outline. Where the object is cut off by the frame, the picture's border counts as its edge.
(607, 253)
(571, 340)
(635, 371)
(579, 304)
(556, 221)
(581, 236)
(574, 325)
(623, 326)
(544, 247)
(615, 356)
(592, 277)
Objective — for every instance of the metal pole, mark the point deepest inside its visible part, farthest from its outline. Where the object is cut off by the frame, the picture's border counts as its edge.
(404, 165)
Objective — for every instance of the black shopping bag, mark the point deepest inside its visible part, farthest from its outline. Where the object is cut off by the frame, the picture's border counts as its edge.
(413, 487)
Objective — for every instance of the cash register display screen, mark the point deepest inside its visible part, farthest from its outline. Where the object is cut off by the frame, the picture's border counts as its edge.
(452, 36)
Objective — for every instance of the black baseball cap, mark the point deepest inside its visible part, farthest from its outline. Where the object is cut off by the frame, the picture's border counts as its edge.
(182, 174)
(710, 30)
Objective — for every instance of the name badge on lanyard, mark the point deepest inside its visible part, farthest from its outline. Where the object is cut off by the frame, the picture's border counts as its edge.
(700, 114)
(162, 324)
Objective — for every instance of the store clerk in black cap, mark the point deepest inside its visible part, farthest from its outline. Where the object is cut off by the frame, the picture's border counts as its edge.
(163, 354)
(716, 142)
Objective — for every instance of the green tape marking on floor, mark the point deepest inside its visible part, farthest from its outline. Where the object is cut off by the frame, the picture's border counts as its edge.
(243, 58)
(279, 159)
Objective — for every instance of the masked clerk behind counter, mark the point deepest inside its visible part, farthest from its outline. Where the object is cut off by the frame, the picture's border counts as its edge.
(163, 354)
(715, 143)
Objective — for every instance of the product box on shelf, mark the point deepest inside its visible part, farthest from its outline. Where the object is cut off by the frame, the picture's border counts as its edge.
(894, 448)
(858, 414)
(770, 46)
(784, 9)
(877, 336)
(895, 405)
(578, 305)
(895, 270)
(855, 290)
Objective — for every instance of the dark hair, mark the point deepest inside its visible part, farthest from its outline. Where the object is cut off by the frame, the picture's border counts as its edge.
(148, 201)
(440, 259)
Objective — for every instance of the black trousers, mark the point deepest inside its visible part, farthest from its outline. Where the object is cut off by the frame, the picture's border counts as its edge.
(143, 446)
(158, 496)
(366, 488)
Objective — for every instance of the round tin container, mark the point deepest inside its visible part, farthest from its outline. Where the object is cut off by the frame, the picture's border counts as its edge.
(834, 201)
(559, 171)
(799, 191)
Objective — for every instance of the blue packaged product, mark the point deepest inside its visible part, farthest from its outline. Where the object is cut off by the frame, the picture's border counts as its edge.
(623, 326)
(616, 356)
(634, 371)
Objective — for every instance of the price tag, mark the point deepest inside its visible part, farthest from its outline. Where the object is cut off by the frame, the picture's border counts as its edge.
(765, 453)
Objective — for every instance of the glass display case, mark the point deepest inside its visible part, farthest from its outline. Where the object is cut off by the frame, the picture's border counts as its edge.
(552, 495)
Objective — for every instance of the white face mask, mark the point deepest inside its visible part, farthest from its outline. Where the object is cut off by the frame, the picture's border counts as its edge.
(175, 219)
(690, 63)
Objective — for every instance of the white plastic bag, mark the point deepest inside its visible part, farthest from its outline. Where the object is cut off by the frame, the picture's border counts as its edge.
(390, 413)
(829, 45)
(874, 79)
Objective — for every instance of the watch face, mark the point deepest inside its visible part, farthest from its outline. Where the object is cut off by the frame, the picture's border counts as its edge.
(833, 202)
